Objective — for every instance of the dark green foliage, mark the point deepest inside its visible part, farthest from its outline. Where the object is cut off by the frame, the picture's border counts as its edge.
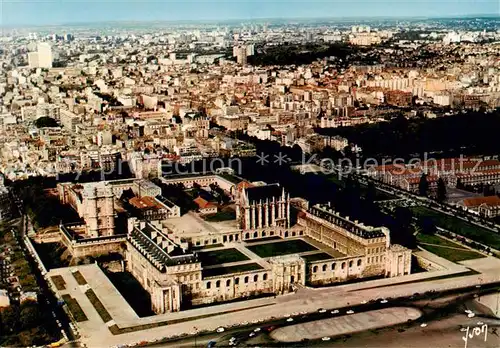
(44, 209)
(219, 194)
(51, 254)
(402, 231)
(441, 190)
(291, 54)
(427, 226)
(99, 307)
(466, 134)
(423, 186)
(23, 325)
(74, 308)
(46, 122)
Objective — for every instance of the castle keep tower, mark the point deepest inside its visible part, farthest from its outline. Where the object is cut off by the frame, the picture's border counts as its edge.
(99, 210)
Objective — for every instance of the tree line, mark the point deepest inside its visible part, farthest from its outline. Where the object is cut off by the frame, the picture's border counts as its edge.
(471, 133)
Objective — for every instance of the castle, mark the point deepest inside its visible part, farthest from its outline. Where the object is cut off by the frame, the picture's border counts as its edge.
(274, 244)
(263, 206)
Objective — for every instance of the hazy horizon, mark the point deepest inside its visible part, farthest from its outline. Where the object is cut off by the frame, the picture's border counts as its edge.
(46, 13)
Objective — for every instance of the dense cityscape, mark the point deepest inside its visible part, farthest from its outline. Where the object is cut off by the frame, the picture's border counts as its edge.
(269, 182)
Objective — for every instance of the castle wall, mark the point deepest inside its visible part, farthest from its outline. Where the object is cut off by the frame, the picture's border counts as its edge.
(340, 270)
(224, 288)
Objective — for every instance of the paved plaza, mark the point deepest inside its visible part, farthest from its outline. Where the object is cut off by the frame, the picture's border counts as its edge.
(95, 333)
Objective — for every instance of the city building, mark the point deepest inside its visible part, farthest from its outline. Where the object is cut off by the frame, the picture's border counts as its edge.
(488, 207)
(42, 58)
(95, 203)
(162, 259)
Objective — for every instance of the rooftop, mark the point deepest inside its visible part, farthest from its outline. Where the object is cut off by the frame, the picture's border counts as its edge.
(492, 201)
(261, 193)
(160, 250)
(326, 213)
(145, 202)
(192, 224)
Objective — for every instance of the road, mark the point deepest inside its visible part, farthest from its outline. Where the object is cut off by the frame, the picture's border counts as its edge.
(46, 298)
(441, 310)
(432, 204)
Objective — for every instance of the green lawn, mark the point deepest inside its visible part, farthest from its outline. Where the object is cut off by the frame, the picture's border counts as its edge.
(221, 216)
(281, 248)
(460, 227)
(452, 255)
(435, 239)
(99, 307)
(74, 308)
(230, 270)
(217, 257)
(79, 278)
(59, 282)
(446, 249)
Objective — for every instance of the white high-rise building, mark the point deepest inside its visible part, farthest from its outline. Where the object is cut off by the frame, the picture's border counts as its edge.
(33, 60)
(241, 56)
(44, 55)
(42, 58)
(250, 50)
(241, 52)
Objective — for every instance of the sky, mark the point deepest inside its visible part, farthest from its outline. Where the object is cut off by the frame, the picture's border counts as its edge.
(55, 12)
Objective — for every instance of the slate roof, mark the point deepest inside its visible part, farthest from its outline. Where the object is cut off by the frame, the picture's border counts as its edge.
(155, 253)
(258, 193)
(364, 232)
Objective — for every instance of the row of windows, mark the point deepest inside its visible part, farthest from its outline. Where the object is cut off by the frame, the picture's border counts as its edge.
(294, 233)
(190, 277)
(376, 240)
(271, 233)
(188, 266)
(214, 241)
(376, 250)
(193, 286)
(230, 238)
(256, 234)
(236, 281)
(375, 259)
(342, 266)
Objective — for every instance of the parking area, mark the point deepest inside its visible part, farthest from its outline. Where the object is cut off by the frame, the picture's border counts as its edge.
(346, 324)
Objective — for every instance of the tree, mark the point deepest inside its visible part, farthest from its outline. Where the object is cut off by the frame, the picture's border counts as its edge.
(296, 153)
(371, 192)
(30, 316)
(441, 190)
(9, 320)
(402, 233)
(46, 122)
(427, 226)
(348, 151)
(423, 186)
